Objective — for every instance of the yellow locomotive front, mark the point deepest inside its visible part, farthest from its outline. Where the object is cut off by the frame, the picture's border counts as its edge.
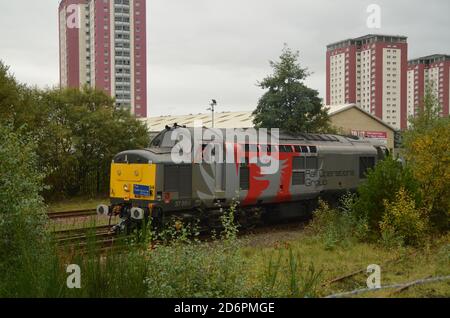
(132, 189)
(131, 182)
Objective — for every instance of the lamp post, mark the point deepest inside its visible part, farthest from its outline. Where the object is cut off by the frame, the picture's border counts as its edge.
(212, 109)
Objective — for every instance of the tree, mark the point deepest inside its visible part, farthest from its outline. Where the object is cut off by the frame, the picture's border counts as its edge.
(427, 152)
(76, 132)
(85, 130)
(289, 104)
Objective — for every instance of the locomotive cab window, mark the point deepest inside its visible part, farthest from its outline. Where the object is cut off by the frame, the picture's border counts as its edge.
(365, 163)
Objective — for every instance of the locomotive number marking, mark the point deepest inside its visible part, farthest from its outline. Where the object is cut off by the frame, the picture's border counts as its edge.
(182, 203)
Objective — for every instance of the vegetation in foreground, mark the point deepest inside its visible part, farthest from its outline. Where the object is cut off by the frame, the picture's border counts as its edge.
(182, 266)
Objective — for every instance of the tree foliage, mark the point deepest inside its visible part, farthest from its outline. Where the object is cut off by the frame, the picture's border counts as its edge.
(402, 199)
(22, 212)
(427, 152)
(383, 183)
(403, 220)
(77, 132)
(288, 103)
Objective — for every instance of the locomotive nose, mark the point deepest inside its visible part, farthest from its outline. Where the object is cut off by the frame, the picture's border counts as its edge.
(133, 175)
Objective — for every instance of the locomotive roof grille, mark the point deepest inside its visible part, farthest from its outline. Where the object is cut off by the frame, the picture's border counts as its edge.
(317, 137)
(160, 140)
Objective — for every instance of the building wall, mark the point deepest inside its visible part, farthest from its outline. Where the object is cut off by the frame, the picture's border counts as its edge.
(140, 57)
(69, 35)
(354, 119)
(371, 72)
(83, 44)
(63, 48)
(392, 98)
(338, 73)
(107, 51)
(365, 80)
(412, 92)
(433, 72)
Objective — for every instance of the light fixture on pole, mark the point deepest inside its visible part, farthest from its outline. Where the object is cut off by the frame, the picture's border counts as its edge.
(212, 109)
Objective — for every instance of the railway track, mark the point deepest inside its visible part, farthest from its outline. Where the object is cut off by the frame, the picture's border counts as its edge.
(71, 214)
(101, 237)
(81, 231)
(383, 265)
(357, 272)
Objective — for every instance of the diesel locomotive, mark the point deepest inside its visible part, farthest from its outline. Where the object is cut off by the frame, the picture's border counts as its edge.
(217, 172)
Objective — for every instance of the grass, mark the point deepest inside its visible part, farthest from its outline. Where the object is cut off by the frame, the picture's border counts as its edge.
(76, 203)
(432, 260)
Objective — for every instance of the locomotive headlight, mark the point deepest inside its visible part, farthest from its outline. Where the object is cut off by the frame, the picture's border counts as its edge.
(137, 213)
(126, 188)
(103, 210)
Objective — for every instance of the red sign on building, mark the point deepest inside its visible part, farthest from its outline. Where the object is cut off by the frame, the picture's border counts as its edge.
(370, 134)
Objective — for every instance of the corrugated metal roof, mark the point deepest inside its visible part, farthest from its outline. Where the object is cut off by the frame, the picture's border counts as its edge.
(221, 120)
(242, 119)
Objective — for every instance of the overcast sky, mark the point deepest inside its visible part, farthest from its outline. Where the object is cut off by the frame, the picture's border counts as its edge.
(204, 49)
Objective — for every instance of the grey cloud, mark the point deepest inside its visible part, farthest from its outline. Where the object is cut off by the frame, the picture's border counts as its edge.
(203, 49)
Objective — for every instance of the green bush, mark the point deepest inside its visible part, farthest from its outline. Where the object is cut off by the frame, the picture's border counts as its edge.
(186, 267)
(22, 214)
(339, 225)
(196, 270)
(403, 220)
(383, 182)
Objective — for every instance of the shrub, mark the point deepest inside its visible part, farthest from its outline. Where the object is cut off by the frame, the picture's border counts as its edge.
(196, 270)
(189, 268)
(337, 226)
(426, 149)
(428, 155)
(22, 214)
(383, 182)
(403, 220)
